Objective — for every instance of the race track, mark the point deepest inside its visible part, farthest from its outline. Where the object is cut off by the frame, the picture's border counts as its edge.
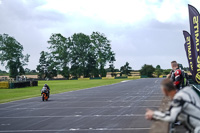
(117, 108)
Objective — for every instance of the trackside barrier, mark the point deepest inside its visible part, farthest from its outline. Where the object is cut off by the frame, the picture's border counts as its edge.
(34, 83)
(4, 85)
(144, 76)
(74, 79)
(83, 78)
(134, 77)
(96, 78)
(108, 77)
(120, 77)
(22, 84)
(11, 85)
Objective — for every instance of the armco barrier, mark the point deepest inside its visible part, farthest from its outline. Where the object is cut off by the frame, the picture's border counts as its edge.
(4, 85)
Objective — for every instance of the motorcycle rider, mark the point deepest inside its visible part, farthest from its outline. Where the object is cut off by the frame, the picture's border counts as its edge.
(48, 89)
(185, 107)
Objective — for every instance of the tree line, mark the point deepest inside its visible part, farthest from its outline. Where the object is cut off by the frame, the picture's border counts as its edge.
(77, 55)
(11, 55)
(74, 56)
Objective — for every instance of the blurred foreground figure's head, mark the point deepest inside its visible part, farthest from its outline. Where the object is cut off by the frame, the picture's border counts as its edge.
(174, 65)
(168, 88)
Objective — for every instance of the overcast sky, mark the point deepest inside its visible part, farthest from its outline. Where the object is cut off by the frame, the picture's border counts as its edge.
(141, 31)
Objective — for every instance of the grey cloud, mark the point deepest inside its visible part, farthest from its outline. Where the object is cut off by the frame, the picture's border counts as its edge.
(149, 41)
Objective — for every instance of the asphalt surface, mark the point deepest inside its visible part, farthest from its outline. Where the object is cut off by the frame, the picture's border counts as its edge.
(117, 108)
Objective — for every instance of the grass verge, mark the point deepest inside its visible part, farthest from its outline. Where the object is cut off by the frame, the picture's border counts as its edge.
(56, 86)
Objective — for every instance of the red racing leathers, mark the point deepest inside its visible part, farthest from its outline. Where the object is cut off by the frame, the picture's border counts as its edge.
(177, 78)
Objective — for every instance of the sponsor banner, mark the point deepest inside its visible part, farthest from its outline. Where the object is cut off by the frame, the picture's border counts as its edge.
(190, 53)
(194, 29)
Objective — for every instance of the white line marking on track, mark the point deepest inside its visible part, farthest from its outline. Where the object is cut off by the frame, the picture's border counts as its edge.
(67, 116)
(5, 124)
(83, 107)
(105, 101)
(125, 81)
(76, 129)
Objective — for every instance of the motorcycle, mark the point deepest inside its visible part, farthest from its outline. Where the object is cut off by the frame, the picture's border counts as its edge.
(44, 93)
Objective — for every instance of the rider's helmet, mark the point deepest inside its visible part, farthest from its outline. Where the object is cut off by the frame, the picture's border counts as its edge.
(45, 85)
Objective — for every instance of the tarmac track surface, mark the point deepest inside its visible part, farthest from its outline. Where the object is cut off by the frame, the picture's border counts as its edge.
(117, 108)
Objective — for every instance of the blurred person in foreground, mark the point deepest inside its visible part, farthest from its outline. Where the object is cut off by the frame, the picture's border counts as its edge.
(185, 107)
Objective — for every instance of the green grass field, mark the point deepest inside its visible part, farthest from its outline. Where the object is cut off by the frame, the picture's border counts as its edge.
(56, 86)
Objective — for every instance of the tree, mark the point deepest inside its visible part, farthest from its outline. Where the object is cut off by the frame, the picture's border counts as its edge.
(30, 72)
(112, 70)
(103, 51)
(112, 67)
(147, 70)
(158, 70)
(11, 55)
(92, 68)
(126, 69)
(186, 69)
(3, 72)
(166, 71)
(60, 48)
(27, 70)
(46, 67)
(81, 52)
(33, 71)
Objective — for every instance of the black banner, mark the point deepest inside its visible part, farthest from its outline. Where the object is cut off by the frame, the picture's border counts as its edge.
(190, 53)
(194, 28)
